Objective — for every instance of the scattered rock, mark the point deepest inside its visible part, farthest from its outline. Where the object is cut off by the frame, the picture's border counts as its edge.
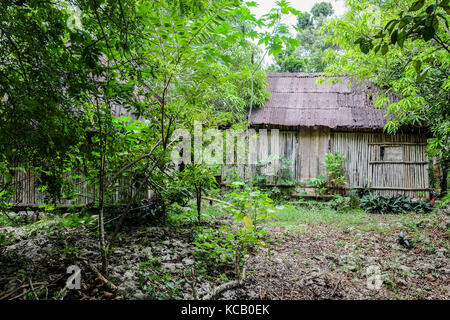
(172, 267)
(445, 225)
(404, 269)
(139, 296)
(188, 262)
(401, 282)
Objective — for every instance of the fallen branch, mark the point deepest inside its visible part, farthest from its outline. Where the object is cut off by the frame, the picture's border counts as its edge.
(12, 291)
(32, 290)
(7, 278)
(27, 291)
(108, 283)
(224, 287)
(191, 281)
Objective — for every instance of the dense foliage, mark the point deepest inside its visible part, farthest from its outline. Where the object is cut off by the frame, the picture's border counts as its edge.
(91, 92)
(375, 203)
(402, 46)
(67, 67)
(310, 53)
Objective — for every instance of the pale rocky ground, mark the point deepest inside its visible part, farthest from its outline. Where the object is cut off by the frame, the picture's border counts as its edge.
(309, 261)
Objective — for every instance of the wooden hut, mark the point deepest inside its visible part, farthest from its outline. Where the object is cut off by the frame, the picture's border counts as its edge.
(315, 119)
(312, 120)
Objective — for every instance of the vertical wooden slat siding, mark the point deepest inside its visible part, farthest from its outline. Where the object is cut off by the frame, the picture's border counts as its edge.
(411, 174)
(354, 148)
(312, 147)
(304, 153)
(306, 148)
(27, 193)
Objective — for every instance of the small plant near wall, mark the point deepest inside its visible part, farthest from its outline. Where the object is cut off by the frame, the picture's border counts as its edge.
(335, 179)
(199, 179)
(340, 203)
(445, 201)
(219, 248)
(275, 181)
(320, 183)
(334, 163)
(354, 198)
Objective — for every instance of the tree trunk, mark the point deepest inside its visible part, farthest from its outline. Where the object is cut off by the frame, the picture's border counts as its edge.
(199, 203)
(444, 183)
(101, 204)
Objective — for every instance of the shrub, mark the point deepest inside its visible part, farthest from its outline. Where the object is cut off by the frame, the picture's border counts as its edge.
(334, 163)
(335, 175)
(250, 204)
(6, 238)
(340, 203)
(354, 198)
(280, 174)
(445, 202)
(219, 247)
(375, 203)
(320, 183)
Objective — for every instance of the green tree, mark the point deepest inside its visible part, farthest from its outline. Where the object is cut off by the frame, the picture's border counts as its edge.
(322, 9)
(167, 63)
(43, 81)
(309, 55)
(200, 180)
(304, 21)
(401, 47)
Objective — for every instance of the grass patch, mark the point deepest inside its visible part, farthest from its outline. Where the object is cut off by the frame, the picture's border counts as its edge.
(298, 216)
(182, 215)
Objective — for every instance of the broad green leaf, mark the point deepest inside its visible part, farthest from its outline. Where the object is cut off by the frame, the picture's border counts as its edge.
(428, 33)
(394, 36)
(417, 5)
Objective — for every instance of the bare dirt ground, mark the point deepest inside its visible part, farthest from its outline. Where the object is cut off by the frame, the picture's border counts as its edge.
(303, 259)
(319, 261)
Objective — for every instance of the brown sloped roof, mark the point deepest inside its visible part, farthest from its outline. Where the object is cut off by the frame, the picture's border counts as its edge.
(296, 100)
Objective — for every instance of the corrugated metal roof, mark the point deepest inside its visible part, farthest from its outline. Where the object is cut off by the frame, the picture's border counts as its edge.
(296, 100)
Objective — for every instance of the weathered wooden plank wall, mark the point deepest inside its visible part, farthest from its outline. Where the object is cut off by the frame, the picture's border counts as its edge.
(390, 164)
(28, 194)
(313, 146)
(304, 149)
(354, 148)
